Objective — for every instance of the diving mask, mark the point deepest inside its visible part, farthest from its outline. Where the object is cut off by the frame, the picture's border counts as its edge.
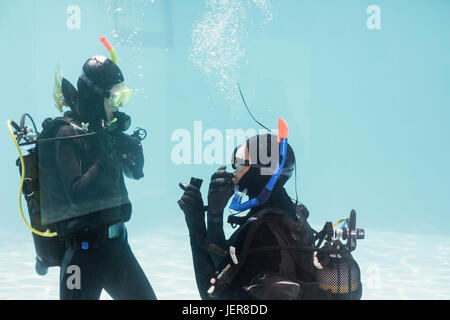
(119, 95)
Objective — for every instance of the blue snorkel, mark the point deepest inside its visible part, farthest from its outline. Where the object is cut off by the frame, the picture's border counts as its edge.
(236, 204)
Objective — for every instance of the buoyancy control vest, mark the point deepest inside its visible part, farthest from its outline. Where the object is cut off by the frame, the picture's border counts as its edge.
(298, 277)
(41, 186)
(104, 205)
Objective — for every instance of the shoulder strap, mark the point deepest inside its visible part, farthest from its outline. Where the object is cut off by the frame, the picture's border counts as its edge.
(71, 122)
(252, 226)
(51, 126)
(226, 276)
(287, 264)
(271, 211)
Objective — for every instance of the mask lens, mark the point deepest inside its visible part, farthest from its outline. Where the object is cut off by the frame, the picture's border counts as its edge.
(122, 97)
(240, 164)
(238, 160)
(129, 93)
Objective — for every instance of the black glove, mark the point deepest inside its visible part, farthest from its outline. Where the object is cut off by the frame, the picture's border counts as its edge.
(129, 150)
(101, 149)
(194, 212)
(220, 191)
(123, 121)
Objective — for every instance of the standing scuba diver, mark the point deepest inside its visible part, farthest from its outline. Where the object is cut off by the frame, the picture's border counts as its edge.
(82, 196)
(272, 255)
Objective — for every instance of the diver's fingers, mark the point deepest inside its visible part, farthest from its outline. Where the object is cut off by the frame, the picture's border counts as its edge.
(195, 196)
(216, 187)
(218, 174)
(223, 188)
(222, 170)
(221, 182)
(186, 203)
(222, 175)
(181, 204)
(192, 189)
(229, 190)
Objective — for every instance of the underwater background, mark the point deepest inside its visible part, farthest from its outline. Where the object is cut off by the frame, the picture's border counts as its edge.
(363, 86)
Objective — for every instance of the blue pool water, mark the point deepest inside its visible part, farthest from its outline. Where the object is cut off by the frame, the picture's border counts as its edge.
(364, 87)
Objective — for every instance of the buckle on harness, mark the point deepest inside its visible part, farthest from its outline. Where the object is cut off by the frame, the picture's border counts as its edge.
(28, 186)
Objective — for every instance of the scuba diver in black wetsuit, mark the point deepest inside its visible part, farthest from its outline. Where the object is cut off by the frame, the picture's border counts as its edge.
(91, 175)
(82, 195)
(273, 254)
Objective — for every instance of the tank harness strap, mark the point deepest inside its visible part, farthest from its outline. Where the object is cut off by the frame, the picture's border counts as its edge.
(326, 231)
(287, 264)
(231, 271)
(50, 129)
(210, 247)
(71, 122)
(227, 276)
(271, 211)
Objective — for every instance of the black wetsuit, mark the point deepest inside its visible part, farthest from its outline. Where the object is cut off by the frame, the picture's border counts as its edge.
(93, 182)
(112, 267)
(206, 264)
(271, 256)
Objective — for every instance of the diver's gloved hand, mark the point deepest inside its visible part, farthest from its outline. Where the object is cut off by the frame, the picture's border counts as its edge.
(194, 211)
(123, 121)
(101, 149)
(220, 191)
(129, 149)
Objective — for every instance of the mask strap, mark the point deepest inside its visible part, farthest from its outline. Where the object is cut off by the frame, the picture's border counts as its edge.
(91, 84)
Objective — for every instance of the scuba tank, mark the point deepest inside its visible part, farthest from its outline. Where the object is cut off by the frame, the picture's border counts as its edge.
(32, 166)
(339, 278)
(337, 272)
(49, 249)
(48, 246)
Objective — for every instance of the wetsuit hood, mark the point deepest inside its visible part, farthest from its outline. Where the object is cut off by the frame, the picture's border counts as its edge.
(98, 76)
(257, 177)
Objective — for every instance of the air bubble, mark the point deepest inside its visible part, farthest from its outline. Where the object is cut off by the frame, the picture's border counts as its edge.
(218, 39)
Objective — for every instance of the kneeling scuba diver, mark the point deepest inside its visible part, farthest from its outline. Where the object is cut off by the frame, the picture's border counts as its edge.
(73, 182)
(273, 254)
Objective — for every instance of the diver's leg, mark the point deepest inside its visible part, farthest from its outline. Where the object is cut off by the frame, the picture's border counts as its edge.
(126, 280)
(78, 265)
